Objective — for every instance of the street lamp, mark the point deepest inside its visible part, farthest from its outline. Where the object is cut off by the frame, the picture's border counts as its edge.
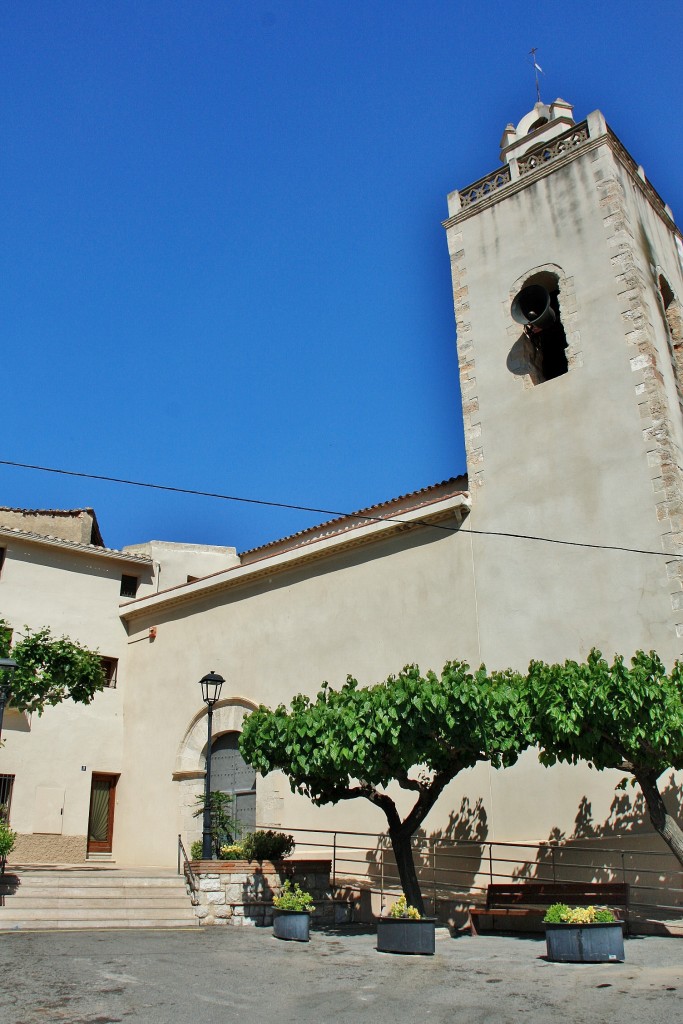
(7, 667)
(211, 691)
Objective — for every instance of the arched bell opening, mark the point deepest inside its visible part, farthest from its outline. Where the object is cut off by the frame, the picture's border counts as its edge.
(541, 350)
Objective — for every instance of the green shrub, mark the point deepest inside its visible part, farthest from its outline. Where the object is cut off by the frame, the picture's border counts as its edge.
(560, 913)
(196, 850)
(232, 851)
(224, 827)
(293, 898)
(7, 840)
(268, 845)
(402, 909)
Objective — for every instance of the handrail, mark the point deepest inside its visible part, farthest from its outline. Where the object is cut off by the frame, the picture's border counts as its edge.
(457, 869)
(187, 871)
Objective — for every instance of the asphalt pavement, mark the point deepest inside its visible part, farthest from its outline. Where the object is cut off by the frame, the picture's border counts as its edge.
(225, 975)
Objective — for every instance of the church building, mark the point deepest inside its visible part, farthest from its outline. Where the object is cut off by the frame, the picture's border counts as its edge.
(566, 534)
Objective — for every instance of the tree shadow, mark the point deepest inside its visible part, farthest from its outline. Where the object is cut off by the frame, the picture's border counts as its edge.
(447, 860)
(586, 853)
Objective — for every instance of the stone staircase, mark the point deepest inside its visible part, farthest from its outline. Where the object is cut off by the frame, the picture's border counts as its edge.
(84, 896)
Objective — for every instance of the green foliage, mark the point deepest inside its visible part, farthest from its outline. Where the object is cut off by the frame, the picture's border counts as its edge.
(401, 909)
(224, 827)
(353, 742)
(50, 669)
(232, 851)
(7, 839)
(560, 913)
(268, 845)
(293, 898)
(196, 850)
(611, 716)
(378, 733)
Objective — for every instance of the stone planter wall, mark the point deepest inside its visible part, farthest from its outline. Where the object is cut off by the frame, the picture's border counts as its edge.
(237, 892)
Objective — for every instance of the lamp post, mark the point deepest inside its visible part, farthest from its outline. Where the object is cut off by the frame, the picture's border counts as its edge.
(7, 667)
(211, 690)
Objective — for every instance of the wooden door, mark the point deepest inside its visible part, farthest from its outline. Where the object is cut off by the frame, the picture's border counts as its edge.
(101, 818)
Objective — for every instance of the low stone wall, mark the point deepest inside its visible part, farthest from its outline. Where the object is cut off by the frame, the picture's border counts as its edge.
(238, 892)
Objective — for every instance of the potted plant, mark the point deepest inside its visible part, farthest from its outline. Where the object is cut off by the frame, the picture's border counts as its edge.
(405, 930)
(7, 840)
(583, 935)
(292, 913)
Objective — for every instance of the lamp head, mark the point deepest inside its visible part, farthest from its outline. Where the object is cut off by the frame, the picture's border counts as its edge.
(211, 685)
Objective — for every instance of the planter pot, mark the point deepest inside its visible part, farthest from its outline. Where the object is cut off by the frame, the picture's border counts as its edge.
(401, 935)
(293, 925)
(585, 943)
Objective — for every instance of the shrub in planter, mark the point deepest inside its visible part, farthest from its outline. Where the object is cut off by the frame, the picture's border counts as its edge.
(292, 913)
(266, 845)
(405, 930)
(7, 840)
(232, 851)
(583, 934)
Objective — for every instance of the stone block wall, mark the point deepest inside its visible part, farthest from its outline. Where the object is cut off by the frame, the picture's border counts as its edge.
(237, 892)
(39, 848)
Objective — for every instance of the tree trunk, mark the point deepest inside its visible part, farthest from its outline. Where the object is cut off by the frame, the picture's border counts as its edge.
(403, 852)
(667, 826)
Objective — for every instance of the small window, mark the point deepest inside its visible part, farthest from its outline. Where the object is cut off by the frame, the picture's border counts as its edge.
(6, 787)
(2, 559)
(129, 586)
(111, 667)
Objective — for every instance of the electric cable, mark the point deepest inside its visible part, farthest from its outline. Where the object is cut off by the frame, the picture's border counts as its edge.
(336, 514)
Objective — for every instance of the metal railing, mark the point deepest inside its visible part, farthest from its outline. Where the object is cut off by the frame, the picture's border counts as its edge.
(458, 871)
(185, 868)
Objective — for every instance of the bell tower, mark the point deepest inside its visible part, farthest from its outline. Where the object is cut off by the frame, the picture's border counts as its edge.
(567, 287)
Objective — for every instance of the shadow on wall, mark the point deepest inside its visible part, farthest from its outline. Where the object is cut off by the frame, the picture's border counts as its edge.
(586, 854)
(447, 860)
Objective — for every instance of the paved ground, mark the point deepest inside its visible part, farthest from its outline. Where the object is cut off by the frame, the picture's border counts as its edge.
(219, 976)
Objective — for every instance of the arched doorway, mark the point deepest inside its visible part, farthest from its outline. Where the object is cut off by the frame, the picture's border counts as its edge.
(232, 775)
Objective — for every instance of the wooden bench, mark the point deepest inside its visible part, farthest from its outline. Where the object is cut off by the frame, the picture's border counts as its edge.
(528, 899)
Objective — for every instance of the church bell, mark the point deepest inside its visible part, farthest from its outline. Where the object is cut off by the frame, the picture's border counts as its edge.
(531, 307)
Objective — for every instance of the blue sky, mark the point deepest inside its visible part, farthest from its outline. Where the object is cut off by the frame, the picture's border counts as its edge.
(223, 264)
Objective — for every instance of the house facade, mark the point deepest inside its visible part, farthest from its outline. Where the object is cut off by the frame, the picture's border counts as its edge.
(566, 534)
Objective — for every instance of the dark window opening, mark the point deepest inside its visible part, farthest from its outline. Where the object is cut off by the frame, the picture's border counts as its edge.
(6, 787)
(111, 667)
(550, 345)
(2, 559)
(541, 350)
(537, 124)
(129, 586)
(673, 315)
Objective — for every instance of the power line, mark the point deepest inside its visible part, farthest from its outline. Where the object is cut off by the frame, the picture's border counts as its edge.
(336, 514)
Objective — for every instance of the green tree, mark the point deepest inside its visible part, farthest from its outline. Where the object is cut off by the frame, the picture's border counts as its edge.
(49, 669)
(629, 718)
(418, 731)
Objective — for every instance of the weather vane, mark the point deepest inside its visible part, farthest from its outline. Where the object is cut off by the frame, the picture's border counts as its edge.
(537, 68)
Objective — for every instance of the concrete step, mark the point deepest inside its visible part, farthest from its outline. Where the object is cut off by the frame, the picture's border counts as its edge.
(52, 903)
(83, 897)
(95, 925)
(88, 913)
